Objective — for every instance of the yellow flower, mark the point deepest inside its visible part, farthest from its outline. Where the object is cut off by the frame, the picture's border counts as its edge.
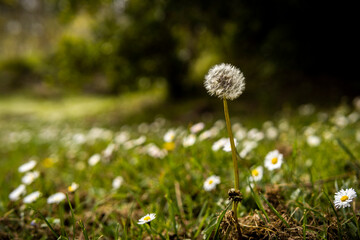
(169, 146)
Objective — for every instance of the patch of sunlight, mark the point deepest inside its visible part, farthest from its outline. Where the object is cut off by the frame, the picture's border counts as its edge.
(74, 107)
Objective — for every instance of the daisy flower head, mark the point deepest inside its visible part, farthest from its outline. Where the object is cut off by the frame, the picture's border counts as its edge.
(273, 160)
(189, 140)
(197, 127)
(27, 166)
(147, 218)
(117, 182)
(227, 145)
(343, 198)
(211, 182)
(73, 187)
(225, 81)
(56, 198)
(15, 195)
(256, 174)
(32, 197)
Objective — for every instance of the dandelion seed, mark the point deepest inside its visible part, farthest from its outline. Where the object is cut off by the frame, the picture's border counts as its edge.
(117, 182)
(30, 177)
(225, 81)
(56, 198)
(73, 187)
(32, 197)
(343, 198)
(15, 195)
(256, 174)
(27, 166)
(273, 160)
(211, 182)
(147, 218)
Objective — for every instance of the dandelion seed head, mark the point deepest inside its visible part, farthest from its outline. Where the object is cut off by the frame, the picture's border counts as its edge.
(225, 81)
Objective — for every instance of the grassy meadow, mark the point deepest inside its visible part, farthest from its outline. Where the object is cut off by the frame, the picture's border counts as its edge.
(124, 169)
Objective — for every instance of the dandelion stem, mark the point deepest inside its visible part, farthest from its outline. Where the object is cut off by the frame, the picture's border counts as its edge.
(233, 151)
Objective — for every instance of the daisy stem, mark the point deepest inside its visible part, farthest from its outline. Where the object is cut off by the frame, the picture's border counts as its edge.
(233, 151)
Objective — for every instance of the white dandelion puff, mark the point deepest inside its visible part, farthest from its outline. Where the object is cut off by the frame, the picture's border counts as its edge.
(225, 81)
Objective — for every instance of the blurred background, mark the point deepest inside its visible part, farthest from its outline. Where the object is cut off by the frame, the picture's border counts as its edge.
(291, 52)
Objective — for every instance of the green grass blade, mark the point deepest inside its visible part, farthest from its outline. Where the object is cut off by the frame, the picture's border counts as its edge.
(336, 214)
(46, 221)
(345, 148)
(83, 230)
(72, 216)
(275, 211)
(221, 216)
(304, 224)
(258, 202)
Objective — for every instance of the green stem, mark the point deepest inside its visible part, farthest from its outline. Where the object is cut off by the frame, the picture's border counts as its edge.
(233, 151)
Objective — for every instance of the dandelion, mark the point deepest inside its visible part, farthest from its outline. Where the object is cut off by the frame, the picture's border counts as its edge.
(94, 159)
(30, 177)
(256, 174)
(32, 197)
(273, 160)
(56, 198)
(197, 127)
(27, 166)
(147, 218)
(211, 182)
(15, 195)
(117, 182)
(189, 140)
(73, 187)
(225, 81)
(313, 141)
(343, 198)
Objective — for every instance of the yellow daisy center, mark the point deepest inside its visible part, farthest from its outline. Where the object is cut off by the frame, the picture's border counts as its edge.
(70, 189)
(147, 218)
(274, 160)
(344, 198)
(255, 172)
(211, 181)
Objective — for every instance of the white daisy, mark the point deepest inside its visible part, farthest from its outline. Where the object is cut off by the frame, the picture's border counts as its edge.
(313, 141)
(116, 184)
(273, 160)
(56, 198)
(343, 198)
(189, 140)
(27, 166)
(73, 187)
(197, 127)
(211, 182)
(219, 144)
(30, 177)
(256, 174)
(169, 136)
(32, 197)
(227, 145)
(15, 195)
(147, 218)
(94, 159)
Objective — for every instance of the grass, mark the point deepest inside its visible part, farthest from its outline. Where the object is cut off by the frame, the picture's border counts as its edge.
(61, 135)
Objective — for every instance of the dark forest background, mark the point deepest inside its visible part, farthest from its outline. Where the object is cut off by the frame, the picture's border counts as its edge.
(290, 51)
